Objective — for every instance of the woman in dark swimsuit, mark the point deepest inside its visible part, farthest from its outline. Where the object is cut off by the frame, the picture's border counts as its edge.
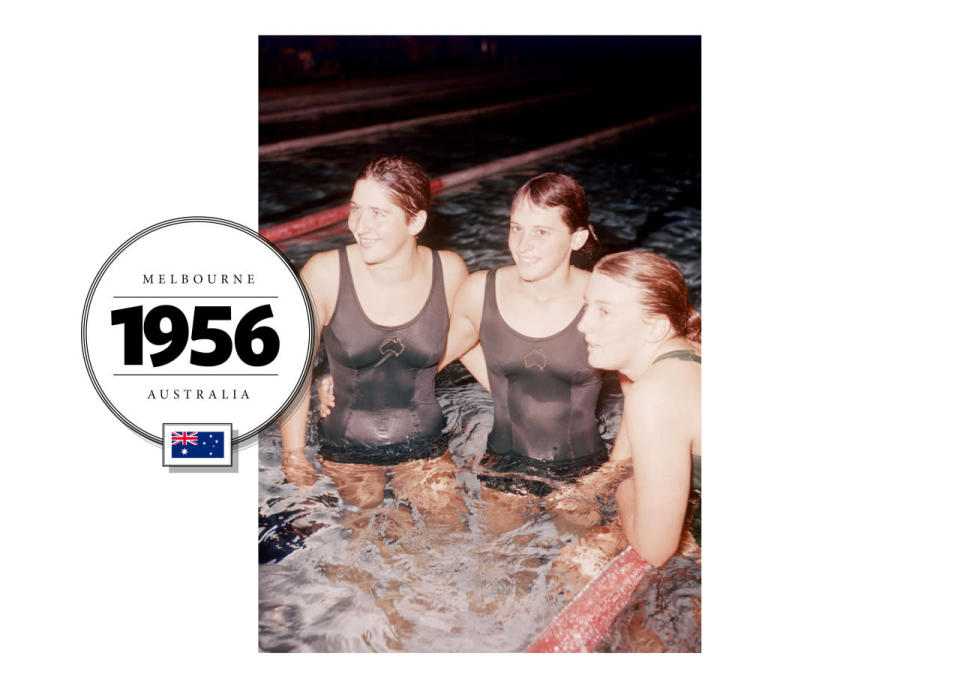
(530, 355)
(383, 304)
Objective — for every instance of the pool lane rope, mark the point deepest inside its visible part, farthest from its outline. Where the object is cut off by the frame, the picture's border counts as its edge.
(294, 98)
(299, 144)
(331, 217)
(345, 107)
(585, 621)
(418, 94)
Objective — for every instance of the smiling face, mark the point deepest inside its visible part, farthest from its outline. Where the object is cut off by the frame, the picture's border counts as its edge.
(540, 242)
(614, 323)
(380, 227)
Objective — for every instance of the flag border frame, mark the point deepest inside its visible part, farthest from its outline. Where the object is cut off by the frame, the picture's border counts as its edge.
(226, 461)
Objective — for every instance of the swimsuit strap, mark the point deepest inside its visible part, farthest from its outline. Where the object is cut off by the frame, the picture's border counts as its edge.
(684, 354)
(490, 299)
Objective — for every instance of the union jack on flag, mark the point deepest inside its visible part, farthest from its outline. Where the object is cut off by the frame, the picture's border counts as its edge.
(185, 438)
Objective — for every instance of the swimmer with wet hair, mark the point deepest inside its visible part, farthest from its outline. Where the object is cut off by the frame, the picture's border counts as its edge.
(516, 329)
(383, 306)
(639, 321)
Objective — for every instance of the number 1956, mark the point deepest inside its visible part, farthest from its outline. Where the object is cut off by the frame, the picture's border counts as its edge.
(136, 327)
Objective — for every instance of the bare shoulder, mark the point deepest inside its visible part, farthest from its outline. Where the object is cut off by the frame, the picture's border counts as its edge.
(667, 392)
(507, 279)
(452, 261)
(469, 300)
(322, 266)
(473, 286)
(454, 269)
(321, 275)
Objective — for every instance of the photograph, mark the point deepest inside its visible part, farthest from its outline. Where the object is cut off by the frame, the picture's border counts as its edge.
(497, 448)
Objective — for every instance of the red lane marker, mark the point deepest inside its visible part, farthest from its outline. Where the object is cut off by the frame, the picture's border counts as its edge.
(315, 221)
(585, 621)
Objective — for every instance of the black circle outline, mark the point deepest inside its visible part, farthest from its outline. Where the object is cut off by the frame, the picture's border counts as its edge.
(195, 219)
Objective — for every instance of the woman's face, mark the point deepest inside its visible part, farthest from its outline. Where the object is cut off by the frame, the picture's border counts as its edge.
(379, 226)
(540, 242)
(613, 322)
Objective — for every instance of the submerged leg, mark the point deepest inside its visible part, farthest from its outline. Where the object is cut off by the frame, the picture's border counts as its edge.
(572, 511)
(430, 485)
(384, 593)
(505, 512)
(298, 469)
(358, 485)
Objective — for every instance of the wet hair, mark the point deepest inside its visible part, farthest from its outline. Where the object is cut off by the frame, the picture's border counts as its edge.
(557, 189)
(408, 185)
(663, 289)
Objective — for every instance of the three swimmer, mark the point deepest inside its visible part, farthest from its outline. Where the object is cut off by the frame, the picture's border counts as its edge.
(520, 331)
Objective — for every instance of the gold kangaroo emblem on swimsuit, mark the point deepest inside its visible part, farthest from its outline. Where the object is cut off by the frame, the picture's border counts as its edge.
(535, 358)
(392, 345)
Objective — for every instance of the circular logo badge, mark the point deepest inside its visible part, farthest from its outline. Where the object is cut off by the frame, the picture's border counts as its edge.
(197, 320)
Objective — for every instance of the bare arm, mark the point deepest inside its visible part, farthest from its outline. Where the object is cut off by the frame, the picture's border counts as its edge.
(293, 422)
(652, 503)
(464, 333)
(455, 277)
(474, 361)
(621, 444)
(317, 275)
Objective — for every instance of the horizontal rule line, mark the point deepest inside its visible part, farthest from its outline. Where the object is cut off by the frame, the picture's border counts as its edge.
(197, 296)
(195, 374)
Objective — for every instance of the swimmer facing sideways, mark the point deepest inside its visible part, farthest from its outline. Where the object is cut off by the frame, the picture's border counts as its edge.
(383, 304)
(639, 321)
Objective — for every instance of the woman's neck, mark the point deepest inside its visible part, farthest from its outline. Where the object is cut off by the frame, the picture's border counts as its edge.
(554, 285)
(401, 267)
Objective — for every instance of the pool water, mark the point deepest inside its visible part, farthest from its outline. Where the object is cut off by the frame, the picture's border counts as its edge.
(336, 578)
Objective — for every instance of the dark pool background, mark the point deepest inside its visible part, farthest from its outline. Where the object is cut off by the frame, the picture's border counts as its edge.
(322, 587)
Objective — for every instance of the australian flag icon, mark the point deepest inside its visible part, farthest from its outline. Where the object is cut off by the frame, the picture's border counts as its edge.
(196, 445)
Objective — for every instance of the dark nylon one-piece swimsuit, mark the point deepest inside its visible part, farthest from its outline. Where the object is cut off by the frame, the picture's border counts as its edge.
(544, 392)
(383, 378)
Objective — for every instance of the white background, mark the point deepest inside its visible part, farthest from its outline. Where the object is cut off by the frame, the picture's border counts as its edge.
(829, 214)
